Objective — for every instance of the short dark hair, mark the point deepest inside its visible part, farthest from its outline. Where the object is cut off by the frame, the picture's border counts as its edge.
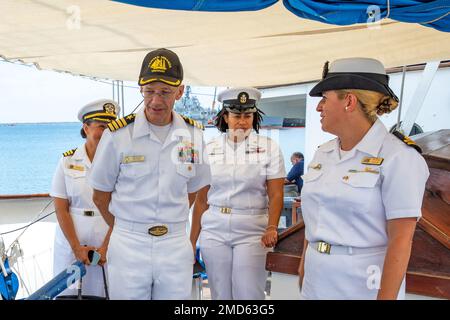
(298, 155)
(223, 126)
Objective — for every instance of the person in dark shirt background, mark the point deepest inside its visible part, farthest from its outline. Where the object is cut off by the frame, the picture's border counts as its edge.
(295, 174)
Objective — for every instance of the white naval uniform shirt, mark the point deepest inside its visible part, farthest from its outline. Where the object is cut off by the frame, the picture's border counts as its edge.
(69, 181)
(238, 177)
(345, 205)
(150, 180)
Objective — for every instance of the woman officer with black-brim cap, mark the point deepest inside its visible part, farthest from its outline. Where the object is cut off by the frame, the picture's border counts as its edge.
(362, 193)
(238, 216)
(80, 227)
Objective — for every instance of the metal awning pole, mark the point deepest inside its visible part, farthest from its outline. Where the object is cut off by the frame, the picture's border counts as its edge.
(419, 96)
(118, 91)
(123, 99)
(214, 99)
(113, 90)
(117, 97)
(401, 99)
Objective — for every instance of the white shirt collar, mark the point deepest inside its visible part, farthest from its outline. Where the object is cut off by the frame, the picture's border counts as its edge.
(370, 143)
(80, 154)
(330, 145)
(141, 127)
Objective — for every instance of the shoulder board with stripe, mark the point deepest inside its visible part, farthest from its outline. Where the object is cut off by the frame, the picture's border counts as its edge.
(69, 153)
(407, 140)
(192, 122)
(121, 123)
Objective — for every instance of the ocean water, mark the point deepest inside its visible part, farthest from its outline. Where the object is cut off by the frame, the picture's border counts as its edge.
(29, 153)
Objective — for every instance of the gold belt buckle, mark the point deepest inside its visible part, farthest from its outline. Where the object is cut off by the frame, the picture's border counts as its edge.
(89, 213)
(324, 247)
(225, 210)
(158, 231)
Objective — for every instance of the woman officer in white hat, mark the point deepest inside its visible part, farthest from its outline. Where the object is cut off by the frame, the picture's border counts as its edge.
(238, 216)
(362, 193)
(81, 227)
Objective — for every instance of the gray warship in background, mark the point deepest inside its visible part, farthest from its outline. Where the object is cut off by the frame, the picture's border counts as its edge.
(190, 106)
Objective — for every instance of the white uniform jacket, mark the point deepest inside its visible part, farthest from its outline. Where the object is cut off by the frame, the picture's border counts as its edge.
(70, 182)
(149, 180)
(239, 176)
(348, 201)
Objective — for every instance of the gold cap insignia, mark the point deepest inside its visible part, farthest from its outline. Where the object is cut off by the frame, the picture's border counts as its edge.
(109, 108)
(243, 97)
(159, 64)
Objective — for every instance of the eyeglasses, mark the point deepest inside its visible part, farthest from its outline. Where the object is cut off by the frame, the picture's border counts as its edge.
(165, 94)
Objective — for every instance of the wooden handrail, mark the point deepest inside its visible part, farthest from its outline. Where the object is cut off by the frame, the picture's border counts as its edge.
(23, 196)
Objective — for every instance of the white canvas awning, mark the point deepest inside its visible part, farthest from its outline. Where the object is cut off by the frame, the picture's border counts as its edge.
(106, 39)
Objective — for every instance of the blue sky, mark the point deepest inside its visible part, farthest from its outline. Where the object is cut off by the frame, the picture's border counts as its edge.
(31, 95)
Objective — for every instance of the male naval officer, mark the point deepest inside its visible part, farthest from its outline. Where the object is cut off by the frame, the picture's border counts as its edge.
(146, 172)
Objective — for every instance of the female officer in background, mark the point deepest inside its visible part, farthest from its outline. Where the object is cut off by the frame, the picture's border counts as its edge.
(362, 194)
(80, 226)
(238, 216)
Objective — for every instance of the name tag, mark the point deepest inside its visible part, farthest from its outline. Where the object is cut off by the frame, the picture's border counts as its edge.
(130, 159)
(75, 167)
(372, 161)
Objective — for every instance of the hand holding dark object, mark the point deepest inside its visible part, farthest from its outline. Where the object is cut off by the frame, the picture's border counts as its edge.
(270, 237)
(102, 252)
(81, 253)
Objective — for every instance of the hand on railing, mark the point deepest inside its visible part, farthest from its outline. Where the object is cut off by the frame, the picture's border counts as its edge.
(270, 237)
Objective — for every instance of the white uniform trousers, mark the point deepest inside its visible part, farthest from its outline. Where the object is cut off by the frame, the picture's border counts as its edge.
(90, 231)
(344, 276)
(146, 267)
(235, 260)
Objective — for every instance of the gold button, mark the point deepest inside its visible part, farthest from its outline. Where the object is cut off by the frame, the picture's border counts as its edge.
(190, 168)
(345, 178)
